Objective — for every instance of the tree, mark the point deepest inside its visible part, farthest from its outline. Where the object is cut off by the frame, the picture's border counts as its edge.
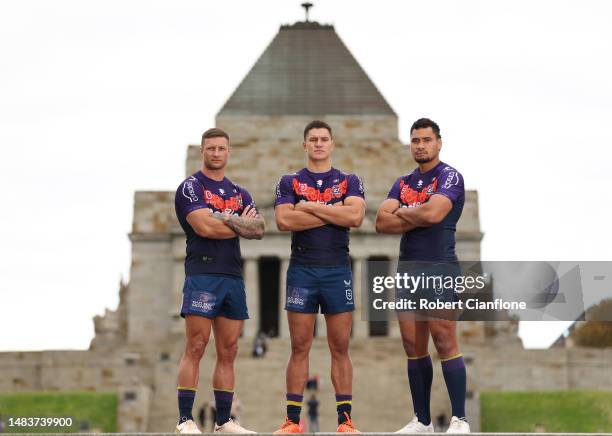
(597, 331)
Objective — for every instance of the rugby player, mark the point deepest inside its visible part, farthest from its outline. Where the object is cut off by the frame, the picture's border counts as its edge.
(319, 204)
(424, 207)
(213, 212)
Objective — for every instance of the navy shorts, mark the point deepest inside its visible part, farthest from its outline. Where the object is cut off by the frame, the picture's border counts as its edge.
(210, 295)
(309, 288)
(435, 283)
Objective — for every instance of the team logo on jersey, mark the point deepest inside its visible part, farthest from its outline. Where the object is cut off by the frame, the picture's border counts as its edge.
(430, 187)
(300, 188)
(420, 184)
(221, 191)
(319, 183)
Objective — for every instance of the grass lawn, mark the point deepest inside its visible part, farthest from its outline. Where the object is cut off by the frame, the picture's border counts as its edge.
(551, 411)
(98, 408)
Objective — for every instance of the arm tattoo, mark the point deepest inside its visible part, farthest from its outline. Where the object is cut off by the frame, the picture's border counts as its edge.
(248, 228)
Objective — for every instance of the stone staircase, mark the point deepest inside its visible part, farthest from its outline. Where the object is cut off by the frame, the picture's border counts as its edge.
(381, 398)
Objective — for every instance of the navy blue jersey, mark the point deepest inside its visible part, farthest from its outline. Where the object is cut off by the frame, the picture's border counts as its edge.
(205, 255)
(326, 245)
(437, 242)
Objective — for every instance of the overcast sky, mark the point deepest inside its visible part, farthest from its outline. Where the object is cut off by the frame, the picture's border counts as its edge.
(100, 99)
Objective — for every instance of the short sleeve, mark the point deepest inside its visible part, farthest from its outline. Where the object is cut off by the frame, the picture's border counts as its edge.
(247, 199)
(189, 197)
(394, 192)
(284, 192)
(450, 184)
(354, 186)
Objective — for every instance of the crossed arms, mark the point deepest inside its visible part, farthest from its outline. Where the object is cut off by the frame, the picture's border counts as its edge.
(393, 219)
(249, 225)
(310, 214)
(306, 215)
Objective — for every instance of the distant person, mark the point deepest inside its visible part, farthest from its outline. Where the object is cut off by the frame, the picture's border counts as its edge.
(259, 345)
(213, 415)
(313, 414)
(442, 422)
(202, 415)
(313, 383)
(213, 212)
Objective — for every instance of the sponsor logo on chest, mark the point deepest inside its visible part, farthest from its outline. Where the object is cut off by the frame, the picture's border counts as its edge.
(229, 205)
(312, 193)
(411, 197)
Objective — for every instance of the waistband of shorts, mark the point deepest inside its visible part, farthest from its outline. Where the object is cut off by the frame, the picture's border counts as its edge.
(326, 267)
(304, 248)
(214, 275)
(408, 258)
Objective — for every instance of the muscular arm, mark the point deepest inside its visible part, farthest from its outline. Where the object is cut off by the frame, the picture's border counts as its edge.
(204, 224)
(290, 219)
(249, 225)
(349, 214)
(428, 214)
(387, 221)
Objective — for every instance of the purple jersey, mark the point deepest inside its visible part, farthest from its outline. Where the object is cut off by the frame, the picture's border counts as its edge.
(326, 245)
(436, 242)
(204, 255)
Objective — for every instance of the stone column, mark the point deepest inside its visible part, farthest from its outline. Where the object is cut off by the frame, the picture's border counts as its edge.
(177, 325)
(321, 326)
(134, 405)
(283, 325)
(251, 283)
(394, 330)
(360, 323)
(174, 312)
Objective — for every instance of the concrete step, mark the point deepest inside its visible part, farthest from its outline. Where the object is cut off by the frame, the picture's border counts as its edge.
(380, 387)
